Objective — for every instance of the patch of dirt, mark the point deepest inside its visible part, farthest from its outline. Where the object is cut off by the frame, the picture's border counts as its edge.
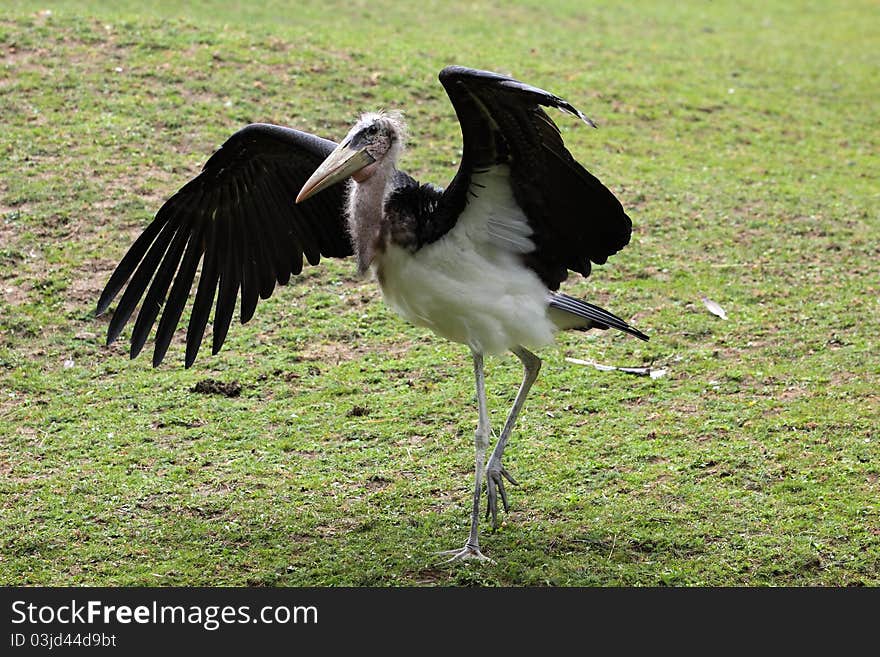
(329, 352)
(14, 295)
(214, 387)
(358, 411)
(281, 374)
(187, 424)
(309, 454)
(377, 482)
(340, 527)
(337, 352)
(83, 292)
(213, 489)
(431, 576)
(416, 440)
(792, 392)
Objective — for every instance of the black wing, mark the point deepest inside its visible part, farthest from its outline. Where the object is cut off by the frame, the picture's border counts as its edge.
(238, 219)
(575, 218)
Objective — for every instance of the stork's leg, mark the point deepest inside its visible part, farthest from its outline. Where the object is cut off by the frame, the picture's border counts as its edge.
(471, 549)
(495, 471)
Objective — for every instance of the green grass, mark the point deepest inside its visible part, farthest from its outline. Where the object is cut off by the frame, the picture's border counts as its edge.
(742, 140)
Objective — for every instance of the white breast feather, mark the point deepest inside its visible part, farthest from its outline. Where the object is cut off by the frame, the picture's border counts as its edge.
(470, 286)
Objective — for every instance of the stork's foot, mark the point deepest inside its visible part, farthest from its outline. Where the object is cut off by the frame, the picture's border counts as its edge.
(467, 553)
(495, 476)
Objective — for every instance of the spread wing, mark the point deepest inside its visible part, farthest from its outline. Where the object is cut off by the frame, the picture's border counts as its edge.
(574, 218)
(237, 219)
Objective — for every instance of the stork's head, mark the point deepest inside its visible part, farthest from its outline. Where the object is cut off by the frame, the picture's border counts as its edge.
(375, 142)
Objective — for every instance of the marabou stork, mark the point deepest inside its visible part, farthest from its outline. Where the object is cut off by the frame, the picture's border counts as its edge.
(478, 263)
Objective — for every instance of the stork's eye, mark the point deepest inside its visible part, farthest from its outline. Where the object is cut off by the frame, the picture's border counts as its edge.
(372, 130)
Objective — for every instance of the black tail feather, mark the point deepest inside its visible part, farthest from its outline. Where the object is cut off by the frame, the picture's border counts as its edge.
(599, 317)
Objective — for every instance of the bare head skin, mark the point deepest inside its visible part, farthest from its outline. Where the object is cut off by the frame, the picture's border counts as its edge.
(377, 137)
(381, 134)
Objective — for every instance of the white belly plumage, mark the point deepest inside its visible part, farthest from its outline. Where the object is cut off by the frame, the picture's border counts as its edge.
(470, 286)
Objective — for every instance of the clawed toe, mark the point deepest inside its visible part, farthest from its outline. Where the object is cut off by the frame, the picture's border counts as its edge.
(466, 553)
(495, 477)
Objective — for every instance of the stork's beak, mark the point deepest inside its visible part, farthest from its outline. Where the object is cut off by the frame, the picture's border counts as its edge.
(340, 164)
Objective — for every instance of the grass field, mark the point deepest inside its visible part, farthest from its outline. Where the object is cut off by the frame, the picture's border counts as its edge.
(743, 142)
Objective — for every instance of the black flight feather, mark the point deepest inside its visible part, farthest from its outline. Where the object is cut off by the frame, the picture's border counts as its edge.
(237, 223)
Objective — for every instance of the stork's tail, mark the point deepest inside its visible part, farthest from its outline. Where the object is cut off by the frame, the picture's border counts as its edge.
(570, 313)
